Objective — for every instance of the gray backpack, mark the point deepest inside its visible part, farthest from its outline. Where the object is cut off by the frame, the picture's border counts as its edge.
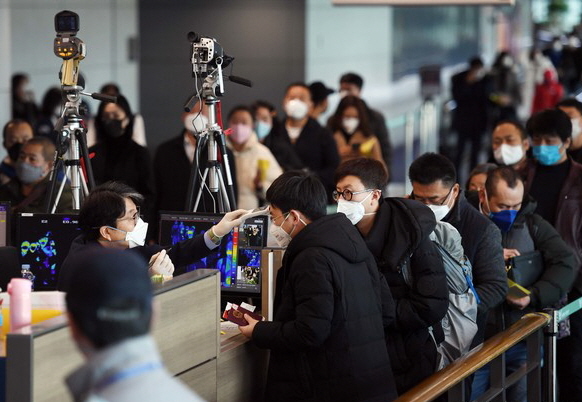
(460, 322)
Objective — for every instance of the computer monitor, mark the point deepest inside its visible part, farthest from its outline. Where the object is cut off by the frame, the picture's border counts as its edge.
(239, 255)
(44, 241)
(4, 223)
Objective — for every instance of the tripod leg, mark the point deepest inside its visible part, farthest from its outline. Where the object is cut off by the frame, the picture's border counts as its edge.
(82, 140)
(61, 187)
(190, 205)
(229, 182)
(223, 195)
(52, 184)
(203, 181)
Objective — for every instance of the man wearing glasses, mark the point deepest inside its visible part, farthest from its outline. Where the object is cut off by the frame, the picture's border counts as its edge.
(109, 217)
(434, 183)
(396, 232)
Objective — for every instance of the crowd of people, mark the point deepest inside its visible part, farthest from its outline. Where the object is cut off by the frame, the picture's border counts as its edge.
(348, 324)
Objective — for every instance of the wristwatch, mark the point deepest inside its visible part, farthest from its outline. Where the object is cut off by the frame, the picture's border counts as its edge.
(213, 237)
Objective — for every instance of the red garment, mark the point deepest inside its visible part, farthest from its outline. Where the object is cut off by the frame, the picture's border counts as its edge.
(548, 93)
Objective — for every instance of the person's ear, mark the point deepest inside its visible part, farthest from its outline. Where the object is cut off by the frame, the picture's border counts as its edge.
(104, 233)
(526, 144)
(567, 143)
(376, 195)
(481, 193)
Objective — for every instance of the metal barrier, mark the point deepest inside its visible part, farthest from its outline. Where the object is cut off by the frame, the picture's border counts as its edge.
(529, 327)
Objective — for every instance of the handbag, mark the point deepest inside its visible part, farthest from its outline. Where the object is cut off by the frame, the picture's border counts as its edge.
(526, 269)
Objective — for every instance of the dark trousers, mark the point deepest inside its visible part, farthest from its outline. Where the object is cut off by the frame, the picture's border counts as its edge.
(569, 358)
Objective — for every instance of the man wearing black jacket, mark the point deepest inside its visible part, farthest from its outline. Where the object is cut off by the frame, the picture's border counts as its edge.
(327, 334)
(396, 232)
(434, 183)
(110, 218)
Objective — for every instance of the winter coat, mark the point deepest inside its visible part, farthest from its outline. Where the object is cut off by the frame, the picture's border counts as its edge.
(531, 232)
(400, 236)
(568, 219)
(314, 150)
(327, 334)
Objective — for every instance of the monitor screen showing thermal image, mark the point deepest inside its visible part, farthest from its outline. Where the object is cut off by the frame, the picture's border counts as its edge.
(239, 255)
(44, 241)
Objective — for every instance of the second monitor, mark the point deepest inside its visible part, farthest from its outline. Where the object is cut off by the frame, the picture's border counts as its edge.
(239, 255)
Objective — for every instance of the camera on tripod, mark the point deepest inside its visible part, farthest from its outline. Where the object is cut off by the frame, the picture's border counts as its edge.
(68, 47)
(207, 54)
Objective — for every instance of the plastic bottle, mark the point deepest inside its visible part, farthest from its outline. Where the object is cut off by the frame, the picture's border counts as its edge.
(19, 290)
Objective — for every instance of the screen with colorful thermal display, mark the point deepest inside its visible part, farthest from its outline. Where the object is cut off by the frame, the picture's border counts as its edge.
(239, 255)
(4, 214)
(44, 241)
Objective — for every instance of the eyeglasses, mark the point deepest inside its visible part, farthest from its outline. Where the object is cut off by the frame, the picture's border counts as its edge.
(135, 217)
(432, 200)
(348, 194)
(280, 216)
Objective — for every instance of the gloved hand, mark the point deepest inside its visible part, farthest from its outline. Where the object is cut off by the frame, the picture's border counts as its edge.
(229, 221)
(161, 264)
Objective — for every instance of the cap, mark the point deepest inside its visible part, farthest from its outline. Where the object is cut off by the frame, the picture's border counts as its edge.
(109, 285)
(319, 91)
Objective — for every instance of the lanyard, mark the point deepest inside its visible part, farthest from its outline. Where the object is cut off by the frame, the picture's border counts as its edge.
(125, 374)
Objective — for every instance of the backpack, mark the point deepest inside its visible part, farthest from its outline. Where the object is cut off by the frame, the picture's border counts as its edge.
(460, 322)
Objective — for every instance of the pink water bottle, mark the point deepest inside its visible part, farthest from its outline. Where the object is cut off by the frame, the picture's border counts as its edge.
(19, 290)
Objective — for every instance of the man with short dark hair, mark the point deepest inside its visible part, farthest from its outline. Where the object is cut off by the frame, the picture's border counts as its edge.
(524, 233)
(397, 231)
(110, 218)
(555, 182)
(301, 142)
(109, 306)
(573, 108)
(434, 183)
(510, 145)
(352, 84)
(327, 335)
(27, 191)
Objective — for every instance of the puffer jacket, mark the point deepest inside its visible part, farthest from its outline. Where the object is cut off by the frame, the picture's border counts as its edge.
(327, 334)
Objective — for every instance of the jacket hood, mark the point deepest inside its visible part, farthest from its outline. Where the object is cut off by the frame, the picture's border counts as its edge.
(333, 232)
(403, 224)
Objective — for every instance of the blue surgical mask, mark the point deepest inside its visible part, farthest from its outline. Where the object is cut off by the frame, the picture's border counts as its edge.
(504, 219)
(27, 173)
(547, 154)
(262, 129)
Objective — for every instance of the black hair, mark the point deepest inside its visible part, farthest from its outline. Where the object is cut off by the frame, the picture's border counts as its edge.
(352, 78)
(10, 124)
(514, 123)
(17, 80)
(104, 206)
(241, 108)
(570, 102)
(479, 169)
(505, 173)
(52, 98)
(476, 62)
(110, 88)
(371, 172)
(262, 103)
(354, 101)
(298, 84)
(430, 168)
(99, 121)
(552, 122)
(301, 191)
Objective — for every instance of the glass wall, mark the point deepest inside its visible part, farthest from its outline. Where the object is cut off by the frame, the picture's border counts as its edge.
(433, 35)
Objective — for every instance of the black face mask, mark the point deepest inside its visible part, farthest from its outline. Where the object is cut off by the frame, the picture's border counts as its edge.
(14, 151)
(113, 128)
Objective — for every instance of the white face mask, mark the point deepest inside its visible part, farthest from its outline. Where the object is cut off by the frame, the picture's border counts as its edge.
(576, 129)
(353, 210)
(137, 236)
(281, 237)
(296, 109)
(439, 211)
(195, 122)
(350, 124)
(508, 154)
